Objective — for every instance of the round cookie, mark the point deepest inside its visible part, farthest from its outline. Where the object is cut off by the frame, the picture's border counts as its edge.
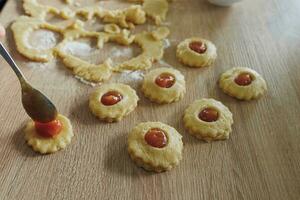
(155, 146)
(243, 83)
(196, 52)
(111, 102)
(208, 119)
(164, 85)
(53, 144)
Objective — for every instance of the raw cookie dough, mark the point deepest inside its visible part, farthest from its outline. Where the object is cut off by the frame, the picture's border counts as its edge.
(156, 9)
(161, 33)
(152, 47)
(164, 85)
(208, 119)
(83, 69)
(126, 18)
(150, 42)
(36, 10)
(243, 83)
(112, 102)
(22, 28)
(153, 50)
(147, 154)
(49, 145)
(205, 56)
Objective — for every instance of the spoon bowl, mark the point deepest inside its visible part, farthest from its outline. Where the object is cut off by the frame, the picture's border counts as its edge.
(36, 104)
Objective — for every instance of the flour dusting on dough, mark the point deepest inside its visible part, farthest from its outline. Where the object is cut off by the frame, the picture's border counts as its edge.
(132, 78)
(87, 82)
(36, 65)
(80, 49)
(77, 4)
(42, 39)
(123, 52)
(163, 63)
(40, 65)
(167, 43)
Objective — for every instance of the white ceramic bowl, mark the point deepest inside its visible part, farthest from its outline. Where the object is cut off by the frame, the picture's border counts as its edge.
(223, 2)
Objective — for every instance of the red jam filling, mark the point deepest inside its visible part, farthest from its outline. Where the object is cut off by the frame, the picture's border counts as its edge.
(198, 47)
(111, 98)
(209, 115)
(49, 129)
(156, 137)
(243, 79)
(165, 80)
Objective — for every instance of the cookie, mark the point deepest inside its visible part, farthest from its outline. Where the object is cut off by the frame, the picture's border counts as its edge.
(155, 146)
(112, 102)
(48, 144)
(208, 119)
(196, 52)
(164, 85)
(243, 83)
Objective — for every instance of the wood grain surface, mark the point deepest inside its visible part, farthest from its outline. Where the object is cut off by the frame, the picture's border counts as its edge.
(261, 160)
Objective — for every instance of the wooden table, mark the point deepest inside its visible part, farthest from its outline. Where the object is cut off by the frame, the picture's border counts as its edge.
(261, 160)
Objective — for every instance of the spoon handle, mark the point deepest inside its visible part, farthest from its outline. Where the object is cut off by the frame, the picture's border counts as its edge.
(4, 53)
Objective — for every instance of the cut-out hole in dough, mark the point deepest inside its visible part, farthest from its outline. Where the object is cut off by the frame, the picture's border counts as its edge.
(120, 53)
(85, 49)
(43, 39)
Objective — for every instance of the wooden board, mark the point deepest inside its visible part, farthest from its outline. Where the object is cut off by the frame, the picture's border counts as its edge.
(261, 160)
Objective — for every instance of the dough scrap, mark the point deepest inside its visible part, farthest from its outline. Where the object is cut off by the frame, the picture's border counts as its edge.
(115, 112)
(156, 9)
(255, 90)
(49, 145)
(161, 33)
(22, 28)
(164, 95)
(150, 42)
(112, 28)
(208, 131)
(151, 158)
(152, 48)
(126, 18)
(83, 69)
(36, 10)
(193, 59)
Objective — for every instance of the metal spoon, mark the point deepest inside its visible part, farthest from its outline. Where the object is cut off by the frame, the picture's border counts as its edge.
(35, 103)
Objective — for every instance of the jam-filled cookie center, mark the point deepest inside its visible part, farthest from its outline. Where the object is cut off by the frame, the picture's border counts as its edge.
(111, 98)
(165, 80)
(49, 129)
(156, 137)
(198, 47)
(209, 115)
(243, 79)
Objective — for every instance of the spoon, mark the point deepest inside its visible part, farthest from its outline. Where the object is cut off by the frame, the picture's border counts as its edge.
(35, 103)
